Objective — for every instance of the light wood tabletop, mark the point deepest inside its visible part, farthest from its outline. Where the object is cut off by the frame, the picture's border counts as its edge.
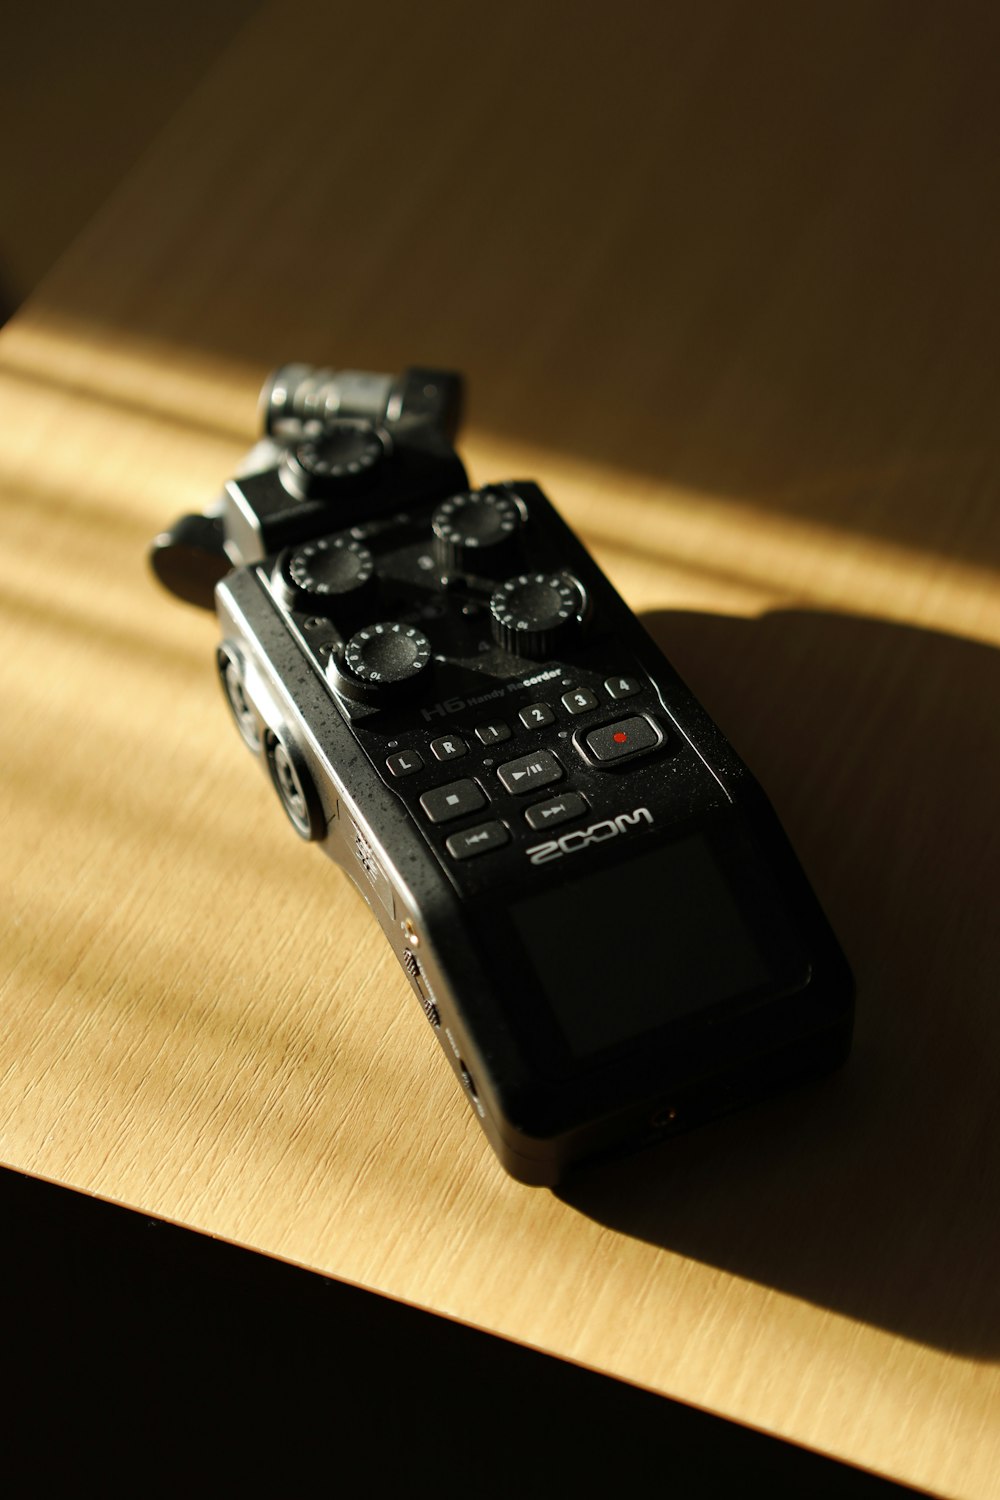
(724, 281)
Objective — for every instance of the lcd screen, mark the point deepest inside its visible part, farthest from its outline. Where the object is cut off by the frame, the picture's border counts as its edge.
(627, 948)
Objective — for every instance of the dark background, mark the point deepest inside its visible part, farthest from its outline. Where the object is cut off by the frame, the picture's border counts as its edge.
(141, 1356)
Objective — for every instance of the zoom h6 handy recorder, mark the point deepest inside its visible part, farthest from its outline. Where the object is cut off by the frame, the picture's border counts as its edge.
(592, 898)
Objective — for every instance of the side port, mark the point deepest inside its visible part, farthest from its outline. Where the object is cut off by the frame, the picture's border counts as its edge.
(468, 1080)
(376, 876)
(411, 964)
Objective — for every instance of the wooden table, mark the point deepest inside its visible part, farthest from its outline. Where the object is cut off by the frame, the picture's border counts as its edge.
(725, 281)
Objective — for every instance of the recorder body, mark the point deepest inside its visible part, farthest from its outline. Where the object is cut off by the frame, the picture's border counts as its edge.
(589, 893)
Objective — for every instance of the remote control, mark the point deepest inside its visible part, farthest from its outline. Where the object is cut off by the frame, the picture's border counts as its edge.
(589, 893)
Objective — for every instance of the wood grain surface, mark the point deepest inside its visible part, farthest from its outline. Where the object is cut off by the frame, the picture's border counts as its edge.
(724, 281)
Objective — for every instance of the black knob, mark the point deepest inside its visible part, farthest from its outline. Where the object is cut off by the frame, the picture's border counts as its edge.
(190, 558)
(331, 576)
(477, 532)
(340, 459)
(380, 661)
(535, 612)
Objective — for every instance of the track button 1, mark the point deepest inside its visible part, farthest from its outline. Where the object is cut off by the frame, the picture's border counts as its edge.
(452, 801)
(556, 810)
(492, 734)
(530, 772)
(478, 840)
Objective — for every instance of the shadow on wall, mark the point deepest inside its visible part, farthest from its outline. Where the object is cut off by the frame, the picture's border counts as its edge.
(875, 1193)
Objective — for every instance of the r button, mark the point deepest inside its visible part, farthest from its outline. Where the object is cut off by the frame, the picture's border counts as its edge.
(448, 747)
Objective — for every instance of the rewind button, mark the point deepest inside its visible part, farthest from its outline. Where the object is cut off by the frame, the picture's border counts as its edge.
(478, 840)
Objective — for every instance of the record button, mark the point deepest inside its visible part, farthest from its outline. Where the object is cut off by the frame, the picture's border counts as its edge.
(627, 737)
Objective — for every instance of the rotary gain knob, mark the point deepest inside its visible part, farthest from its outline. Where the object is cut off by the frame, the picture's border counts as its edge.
(330, 576)
(340, 459)
(536, 612)
(476, 532)
(381, 661)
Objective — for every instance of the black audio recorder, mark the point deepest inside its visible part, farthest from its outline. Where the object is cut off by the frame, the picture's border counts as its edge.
(589, 893)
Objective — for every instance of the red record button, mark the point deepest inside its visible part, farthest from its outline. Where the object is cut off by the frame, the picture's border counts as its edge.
(627, 737)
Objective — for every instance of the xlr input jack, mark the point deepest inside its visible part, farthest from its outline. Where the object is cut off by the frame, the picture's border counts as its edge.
(295, 787)
(231, 672)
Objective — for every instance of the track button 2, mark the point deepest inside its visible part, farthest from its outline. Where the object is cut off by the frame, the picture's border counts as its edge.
(478, 840)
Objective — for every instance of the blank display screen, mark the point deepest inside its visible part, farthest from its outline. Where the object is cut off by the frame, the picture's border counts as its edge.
(626, 949)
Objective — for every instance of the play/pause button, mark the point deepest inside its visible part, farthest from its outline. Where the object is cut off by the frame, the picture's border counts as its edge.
(530, 772)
